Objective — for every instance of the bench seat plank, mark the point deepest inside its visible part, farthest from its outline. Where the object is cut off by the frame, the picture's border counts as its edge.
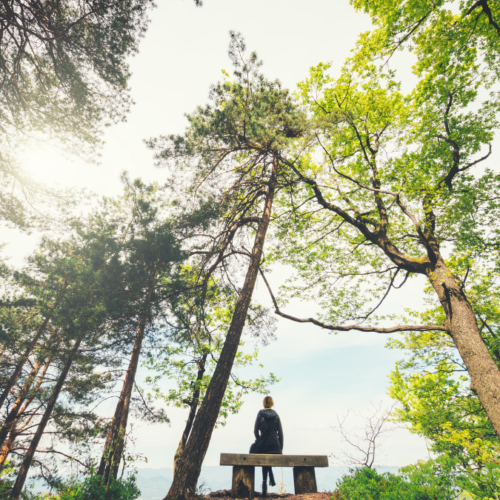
(259, 460)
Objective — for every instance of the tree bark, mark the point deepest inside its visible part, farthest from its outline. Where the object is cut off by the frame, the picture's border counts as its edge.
(109, 438)
(184, 483)
(14, 412)
(28, 458)
(192, 413)
(7, 446)
(461, 323)
(113, 449)
(13, 378)
(13, 433)
(17, 370)
(9, 443)
(14, 430)
(128, 386)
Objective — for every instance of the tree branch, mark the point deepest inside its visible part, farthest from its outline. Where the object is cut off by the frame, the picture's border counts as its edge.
(486, 9)
(377, 238)
(338, 328)
(58, 453)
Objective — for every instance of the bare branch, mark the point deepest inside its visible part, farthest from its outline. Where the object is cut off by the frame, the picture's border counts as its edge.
(347, 328)
(58, 453)
(365, 443)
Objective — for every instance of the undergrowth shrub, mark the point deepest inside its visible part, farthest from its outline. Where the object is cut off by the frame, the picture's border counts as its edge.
(93, 488)
(90, 488)
(368, 484)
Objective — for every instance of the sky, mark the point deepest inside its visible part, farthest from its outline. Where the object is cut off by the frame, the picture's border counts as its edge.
(322, 375)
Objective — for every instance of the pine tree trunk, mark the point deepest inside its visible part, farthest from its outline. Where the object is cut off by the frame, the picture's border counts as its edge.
(12, 416)
(105, 458)
(113, 449)
(128, 387)
(188, 471)
(17, 370)
(461, 323)
(28, 458)
(192, 413)
(6, 447)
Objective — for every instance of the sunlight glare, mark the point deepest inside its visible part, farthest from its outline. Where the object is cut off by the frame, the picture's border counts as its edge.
(48, 166)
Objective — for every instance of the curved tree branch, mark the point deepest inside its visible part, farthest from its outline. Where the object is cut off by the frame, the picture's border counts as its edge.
(341, 328)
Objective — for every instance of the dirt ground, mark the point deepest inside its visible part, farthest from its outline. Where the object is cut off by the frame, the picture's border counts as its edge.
(226, 495)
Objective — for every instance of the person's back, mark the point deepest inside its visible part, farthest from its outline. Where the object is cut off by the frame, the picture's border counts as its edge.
(268, 426)
(269, 438)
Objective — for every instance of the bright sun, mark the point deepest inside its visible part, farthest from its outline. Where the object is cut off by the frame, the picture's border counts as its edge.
(51, 167)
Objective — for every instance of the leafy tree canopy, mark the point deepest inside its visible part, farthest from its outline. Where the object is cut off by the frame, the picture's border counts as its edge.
(63, 76)
(393, 170)
(445, 35)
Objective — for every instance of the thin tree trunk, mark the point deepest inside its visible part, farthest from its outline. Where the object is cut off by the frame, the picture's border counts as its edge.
(28, 458)
(15, 375)
(189, 467)
(14, 431)
(7, 447)
(461, 323)
(110, 461)
(192, 413)
(17, 370)
(105, 458)
(14, 412)
(128, 386)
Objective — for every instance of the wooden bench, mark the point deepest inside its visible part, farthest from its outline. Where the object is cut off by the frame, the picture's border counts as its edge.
(304, 477)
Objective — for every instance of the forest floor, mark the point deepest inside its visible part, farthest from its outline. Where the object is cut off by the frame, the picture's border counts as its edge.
(226, 495)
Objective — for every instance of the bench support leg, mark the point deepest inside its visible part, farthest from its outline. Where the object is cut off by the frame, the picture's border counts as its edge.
(243, 482)
(304, 480)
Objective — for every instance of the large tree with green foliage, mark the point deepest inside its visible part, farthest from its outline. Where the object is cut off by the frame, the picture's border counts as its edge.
(141, 272)
(63, 75)
(79, 339)
(198, 330)
(102, 267)
(231, 162)
(436, 400)
(389, 187)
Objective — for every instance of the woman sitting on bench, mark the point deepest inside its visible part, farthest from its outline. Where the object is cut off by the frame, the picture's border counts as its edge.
(269, 438)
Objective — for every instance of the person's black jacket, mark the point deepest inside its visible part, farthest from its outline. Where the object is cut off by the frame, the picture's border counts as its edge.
(268, 432)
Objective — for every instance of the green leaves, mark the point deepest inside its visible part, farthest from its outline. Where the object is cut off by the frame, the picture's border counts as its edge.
(64, 76)
(437, 400)
(93, 487)
(420, 484)
(440, 31)
(198, 333)
(225, 153)
(394, 172)
(181, 365)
